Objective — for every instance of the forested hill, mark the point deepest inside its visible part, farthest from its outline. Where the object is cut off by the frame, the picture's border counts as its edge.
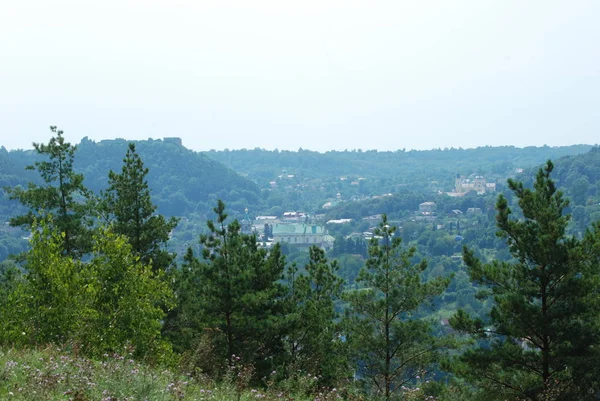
(578, 175)
(182, 181)
(263, 165)
(579, 178)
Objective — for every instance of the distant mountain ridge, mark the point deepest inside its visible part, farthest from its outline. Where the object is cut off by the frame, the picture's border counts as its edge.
(261, 165)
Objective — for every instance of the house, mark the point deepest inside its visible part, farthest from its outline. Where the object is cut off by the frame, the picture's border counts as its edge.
(339, 221)
(294, 216)
(427, 208)
(265, 218)
(373, 218)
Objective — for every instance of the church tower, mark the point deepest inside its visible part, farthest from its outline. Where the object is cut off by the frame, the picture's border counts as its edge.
(246, 223)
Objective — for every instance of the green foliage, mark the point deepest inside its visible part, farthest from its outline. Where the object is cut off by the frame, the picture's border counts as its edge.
(543, 333)
(132, 213)
(124, 298)
(62, 195)
(315, 341)
(46, 305)
(183, 181)
(392, 348)
(111, 301)
(241, 302)
(184, 323)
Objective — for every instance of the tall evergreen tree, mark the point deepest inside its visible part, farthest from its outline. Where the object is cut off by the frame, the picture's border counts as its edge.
(541, 339)
(242, 297)
(391, 347)
(63, 195)
(184, 322)
(314, 341)
(133, 215)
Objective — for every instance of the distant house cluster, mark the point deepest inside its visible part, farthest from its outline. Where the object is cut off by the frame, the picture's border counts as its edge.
(333, 202)
(476, 183)
(293, 228)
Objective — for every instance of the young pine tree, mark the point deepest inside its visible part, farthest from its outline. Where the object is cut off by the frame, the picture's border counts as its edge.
(184, 322)
(241, 303)
(541, 339)
(129, 203)
(314, 340)
(63, 195)
(391, 348)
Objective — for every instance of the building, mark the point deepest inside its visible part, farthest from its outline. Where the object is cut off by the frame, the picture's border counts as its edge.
(174, 140)
(246, 223)
(269, 219)
(478, 184)
(339, 221)
(373, 218)
(427, 208)
(294, 216)
(300, 234)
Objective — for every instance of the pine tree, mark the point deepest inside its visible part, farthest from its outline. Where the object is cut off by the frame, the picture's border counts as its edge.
(541, 338)
(391, 347)
(242, 297)
(314, 341)
(129, 203)
(184, 322)
(63, 195)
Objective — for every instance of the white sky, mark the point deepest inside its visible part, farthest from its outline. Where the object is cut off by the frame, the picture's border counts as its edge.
(316, 74)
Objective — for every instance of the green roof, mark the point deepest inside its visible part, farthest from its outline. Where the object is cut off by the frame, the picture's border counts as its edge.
(297, 228)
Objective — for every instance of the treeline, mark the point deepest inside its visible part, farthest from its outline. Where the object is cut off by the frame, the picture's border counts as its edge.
(97, 278)
(386, 171)
(183, 181)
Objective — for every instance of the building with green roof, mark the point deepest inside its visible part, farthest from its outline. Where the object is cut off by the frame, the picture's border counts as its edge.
(302, 234)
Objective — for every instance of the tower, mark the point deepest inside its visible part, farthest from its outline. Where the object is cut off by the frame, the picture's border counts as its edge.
(457, 182)
(246, 223)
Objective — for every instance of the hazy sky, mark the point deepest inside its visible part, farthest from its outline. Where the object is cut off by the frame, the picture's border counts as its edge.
(321, 75)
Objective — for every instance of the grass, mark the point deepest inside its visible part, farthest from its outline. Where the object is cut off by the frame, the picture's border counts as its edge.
(51, 374)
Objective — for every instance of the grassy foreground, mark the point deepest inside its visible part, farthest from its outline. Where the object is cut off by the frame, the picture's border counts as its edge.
(51, 374)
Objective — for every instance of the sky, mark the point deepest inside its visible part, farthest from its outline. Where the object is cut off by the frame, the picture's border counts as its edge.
(311, 74)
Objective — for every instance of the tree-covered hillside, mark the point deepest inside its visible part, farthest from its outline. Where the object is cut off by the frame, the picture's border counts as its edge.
(579, 177)
(307, 179)
(182, 181)
(404, 166)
